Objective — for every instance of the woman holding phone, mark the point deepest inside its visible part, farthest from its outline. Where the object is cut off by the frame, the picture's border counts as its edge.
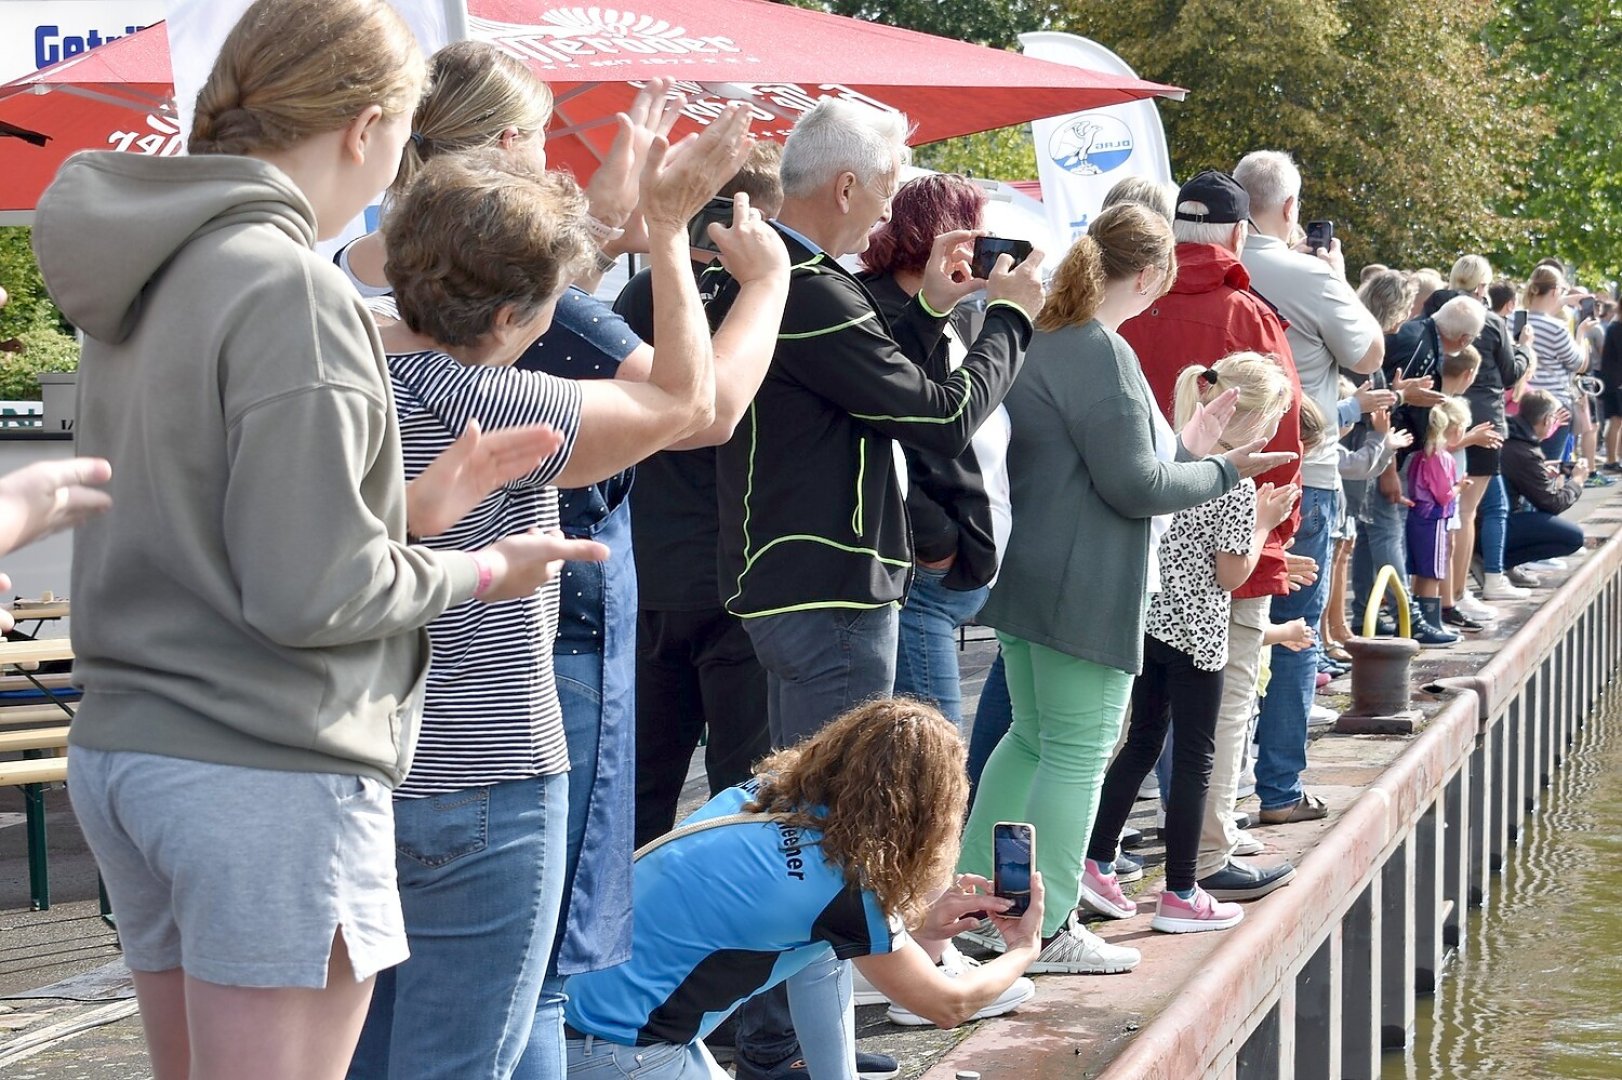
(845, 844)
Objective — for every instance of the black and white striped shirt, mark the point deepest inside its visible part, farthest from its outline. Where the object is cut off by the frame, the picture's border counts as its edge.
(491, 712)
(1559, 359)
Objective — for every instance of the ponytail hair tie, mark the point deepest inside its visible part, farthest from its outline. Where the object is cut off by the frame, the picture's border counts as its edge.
(417, 140)
(1209, 376)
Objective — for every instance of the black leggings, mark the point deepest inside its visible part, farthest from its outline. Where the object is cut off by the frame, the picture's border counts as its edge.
(1171, 691)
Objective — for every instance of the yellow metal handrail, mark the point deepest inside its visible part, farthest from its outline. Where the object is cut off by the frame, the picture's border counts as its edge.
(1387, 577)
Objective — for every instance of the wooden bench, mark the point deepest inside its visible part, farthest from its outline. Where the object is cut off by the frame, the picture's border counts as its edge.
(50, 738)
(31, 774)
(25, 716)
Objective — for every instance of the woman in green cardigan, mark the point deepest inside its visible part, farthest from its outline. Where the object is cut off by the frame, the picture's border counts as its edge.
(1096, 473)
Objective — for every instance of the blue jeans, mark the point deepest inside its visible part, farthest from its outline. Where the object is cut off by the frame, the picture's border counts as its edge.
(1381, 541)
(1493, 525)
(481, 883)
(822, 662)
(992, 718)
(579, 681)
(1534, 535)
(926, 657)
(1281, 729)
(593, 1059)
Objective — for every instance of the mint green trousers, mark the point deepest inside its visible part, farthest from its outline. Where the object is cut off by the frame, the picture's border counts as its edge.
(1049, 769)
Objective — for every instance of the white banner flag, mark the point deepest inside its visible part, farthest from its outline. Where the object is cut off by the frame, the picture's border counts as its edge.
(1081, 156)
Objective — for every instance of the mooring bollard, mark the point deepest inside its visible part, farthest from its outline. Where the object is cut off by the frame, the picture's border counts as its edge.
(1380, 670)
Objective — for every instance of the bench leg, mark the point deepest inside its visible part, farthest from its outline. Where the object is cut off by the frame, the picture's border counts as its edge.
(39, 883)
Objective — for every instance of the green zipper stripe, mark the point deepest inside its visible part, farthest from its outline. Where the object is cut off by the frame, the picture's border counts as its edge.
(808, 264)
(748, 492)
(951, 418)
(828, 330)
(861, 474)
(816, 606)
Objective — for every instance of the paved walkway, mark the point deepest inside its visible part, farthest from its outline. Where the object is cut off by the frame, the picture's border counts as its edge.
(76, 1018)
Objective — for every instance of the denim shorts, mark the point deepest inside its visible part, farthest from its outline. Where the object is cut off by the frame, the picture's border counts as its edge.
(241, 876)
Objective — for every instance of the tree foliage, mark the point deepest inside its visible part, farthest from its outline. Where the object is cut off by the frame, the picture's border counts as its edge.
(985, 22)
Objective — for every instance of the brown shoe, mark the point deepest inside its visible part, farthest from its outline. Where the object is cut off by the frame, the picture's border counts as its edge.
(1310, 808)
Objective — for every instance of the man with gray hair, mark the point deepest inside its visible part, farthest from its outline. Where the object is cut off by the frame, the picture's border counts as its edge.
(814, 545)
(1329, 330)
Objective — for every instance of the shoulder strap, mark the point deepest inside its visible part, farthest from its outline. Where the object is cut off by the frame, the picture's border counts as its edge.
(702, 826)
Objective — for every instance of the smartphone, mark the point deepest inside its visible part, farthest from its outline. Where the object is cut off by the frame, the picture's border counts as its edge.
(987, 248)
(1585, 308)
(1319, 234)
(1013, 849)
(698, 228)
(1517, 323)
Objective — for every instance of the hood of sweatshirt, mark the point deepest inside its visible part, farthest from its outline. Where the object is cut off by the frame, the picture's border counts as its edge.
(1521, 431)
(110, 222)
(1204, 267)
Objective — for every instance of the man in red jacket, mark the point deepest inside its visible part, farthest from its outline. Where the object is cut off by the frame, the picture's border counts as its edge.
(1209, 313)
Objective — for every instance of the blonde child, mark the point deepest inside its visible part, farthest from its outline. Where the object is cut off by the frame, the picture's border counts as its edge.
(1208, 552)
(1460, 610)
(1380, 444)
(1433, 490)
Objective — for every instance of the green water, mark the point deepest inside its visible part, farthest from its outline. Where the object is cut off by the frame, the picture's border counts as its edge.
(1536, 991)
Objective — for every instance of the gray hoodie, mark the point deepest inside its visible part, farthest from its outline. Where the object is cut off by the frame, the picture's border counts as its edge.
(249, 599)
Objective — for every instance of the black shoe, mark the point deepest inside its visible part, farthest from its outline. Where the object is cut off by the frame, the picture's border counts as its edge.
(1242, 881)
(1131, 838)
(1242, 819)
(1523, 578)
(1452, 616)
(868, 1067)
(1385, 625)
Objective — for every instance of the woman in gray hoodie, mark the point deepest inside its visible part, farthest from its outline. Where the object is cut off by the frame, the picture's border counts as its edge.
(248, 621)
(1096, 474)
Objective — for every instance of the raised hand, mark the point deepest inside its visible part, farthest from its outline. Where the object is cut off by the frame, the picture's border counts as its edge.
(1371, 399)
(750, 249)
(614, 188)
(678, 180)
(946, 275)
(1401, 439)
(1020, 284)
(523, 562)
(1273, 505)
(1204, 429)
(1250, 461)
(48, 496)
(1418, 391)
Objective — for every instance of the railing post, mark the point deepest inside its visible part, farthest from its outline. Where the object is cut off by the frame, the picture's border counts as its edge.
(1535, 728)
(1456, 853)
(1397, 946)
(1427, 843)
(1360, 986)
(1483, 831)
(1514, 725)
(1261, 1057)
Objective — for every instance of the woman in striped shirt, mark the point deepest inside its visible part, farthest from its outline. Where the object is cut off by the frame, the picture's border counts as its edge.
(1560, 361)
(479, 249)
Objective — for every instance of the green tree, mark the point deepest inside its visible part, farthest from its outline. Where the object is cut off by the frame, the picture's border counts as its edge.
(986, 22)
(1571, 207)
(29, 306)
(1392, 109)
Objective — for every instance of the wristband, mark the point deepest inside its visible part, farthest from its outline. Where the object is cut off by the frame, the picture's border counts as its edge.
(1011, 304)
(601, 231)
(602, 262)
(930, 310)
(487, 574)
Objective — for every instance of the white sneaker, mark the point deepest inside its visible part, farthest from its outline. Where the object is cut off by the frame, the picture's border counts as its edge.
(1321, 716)
(1075, 950)
(987, 936)
(1471, 608)
(1498, 587)
(1150, 788)
(953, 964)
(1248, 845)
(863, 992)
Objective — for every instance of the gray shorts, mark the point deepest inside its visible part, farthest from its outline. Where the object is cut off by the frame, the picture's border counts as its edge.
(241, 876)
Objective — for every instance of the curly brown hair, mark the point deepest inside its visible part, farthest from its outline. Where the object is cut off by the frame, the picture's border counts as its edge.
(476, 232)
(885, 784)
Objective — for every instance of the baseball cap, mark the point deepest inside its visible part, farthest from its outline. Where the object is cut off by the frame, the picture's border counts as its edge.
(1226, 202)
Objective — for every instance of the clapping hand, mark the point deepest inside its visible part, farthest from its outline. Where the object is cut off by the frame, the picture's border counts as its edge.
(472, 467)
(1273, 505)
(1418, 390)
(1204, 429)
(1294, 635)
(678, 180)
(615, 187)
(1400, 439)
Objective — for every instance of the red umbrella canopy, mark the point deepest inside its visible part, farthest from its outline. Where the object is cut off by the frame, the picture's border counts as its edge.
(780, 59)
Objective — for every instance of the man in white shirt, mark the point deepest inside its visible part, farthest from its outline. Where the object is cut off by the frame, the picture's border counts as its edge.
(1329, 330)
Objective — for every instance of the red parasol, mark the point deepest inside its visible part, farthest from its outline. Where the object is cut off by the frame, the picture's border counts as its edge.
(781, 59)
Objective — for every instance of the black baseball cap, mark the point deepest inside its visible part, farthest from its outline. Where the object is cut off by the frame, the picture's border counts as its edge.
(1226, 202)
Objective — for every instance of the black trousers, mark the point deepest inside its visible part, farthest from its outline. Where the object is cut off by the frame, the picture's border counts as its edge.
(1173, 693)
(693, 669)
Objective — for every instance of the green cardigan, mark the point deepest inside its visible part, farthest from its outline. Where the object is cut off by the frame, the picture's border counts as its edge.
(1085, 482)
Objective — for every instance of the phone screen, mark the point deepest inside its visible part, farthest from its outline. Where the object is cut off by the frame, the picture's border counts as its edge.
(1585, 309)
(1319, 234)
(1013, 847)
(698, 228)
(1518, 322)
(987, 248)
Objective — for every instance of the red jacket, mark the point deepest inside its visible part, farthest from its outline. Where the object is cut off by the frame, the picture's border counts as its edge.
(1209, 313)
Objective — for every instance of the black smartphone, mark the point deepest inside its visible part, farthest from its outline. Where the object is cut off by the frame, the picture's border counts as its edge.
(1013, 852)
(1319, 234)
(1517, 323)
(1585, 308)
(987, 248)
(698, 228)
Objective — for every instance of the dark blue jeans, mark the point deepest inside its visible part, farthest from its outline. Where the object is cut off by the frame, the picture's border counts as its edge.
(1281, 729)
(992, 719)
(926, 658)
(1534, 535)
(1492, 528)
(1381, 541)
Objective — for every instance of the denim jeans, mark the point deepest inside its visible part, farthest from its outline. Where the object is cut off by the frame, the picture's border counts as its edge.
(1281, 728)
(481, 883)
(579, 681)
(1493, 525)
(1534, 535)
(820, 663)
(593, 1059)
(926, 656)
(1381, 541)
(809, 1015)
(992, 717)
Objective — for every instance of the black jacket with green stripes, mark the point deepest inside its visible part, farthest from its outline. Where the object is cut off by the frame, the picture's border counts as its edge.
(810, 509)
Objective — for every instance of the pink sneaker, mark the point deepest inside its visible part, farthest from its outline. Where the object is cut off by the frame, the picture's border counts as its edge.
(1178, 916)
(1102, 893)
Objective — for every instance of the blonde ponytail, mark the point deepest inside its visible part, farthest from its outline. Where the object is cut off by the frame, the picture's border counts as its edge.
(1264, 393)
